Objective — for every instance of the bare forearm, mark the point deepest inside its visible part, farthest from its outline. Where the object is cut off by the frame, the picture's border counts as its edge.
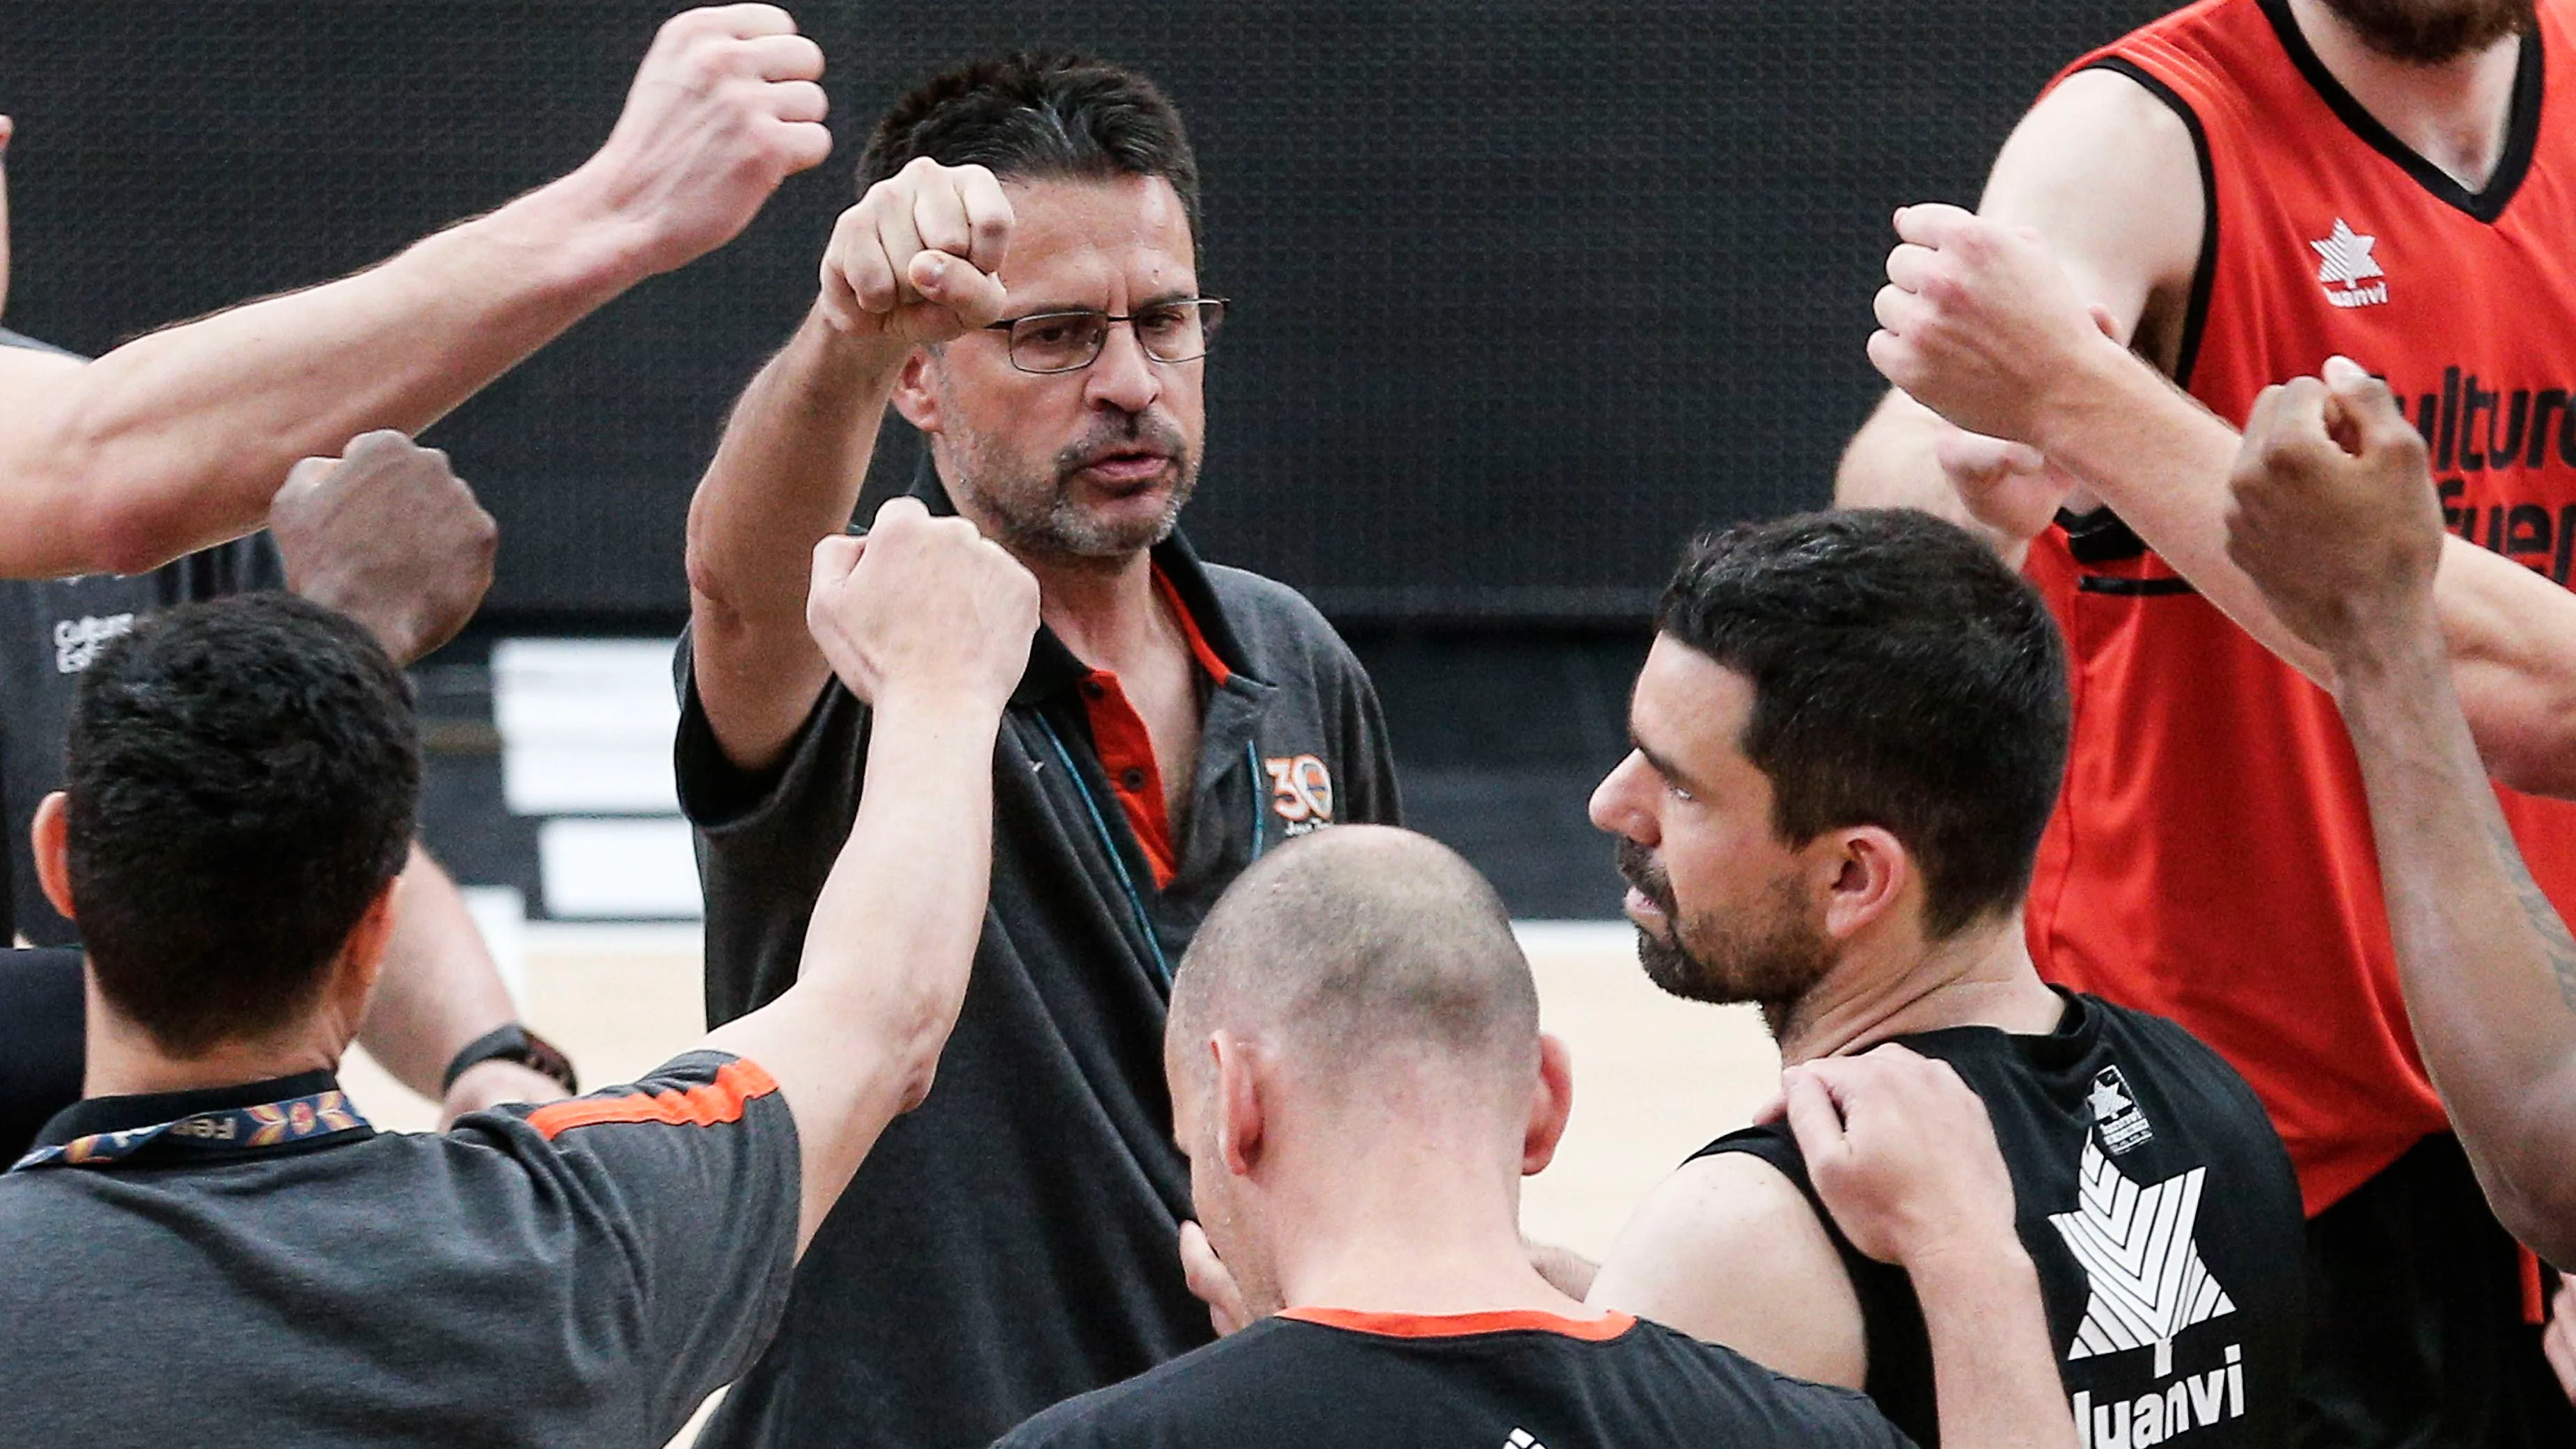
(180, 439)
(788, 471)
(439, 990)
(1994, 1372)
(1889, 463)
(2487, 965)
(2161, 461)
(886, 955)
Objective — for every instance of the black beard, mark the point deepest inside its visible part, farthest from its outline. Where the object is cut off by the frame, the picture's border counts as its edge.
(1773, 961)
(2422, 33)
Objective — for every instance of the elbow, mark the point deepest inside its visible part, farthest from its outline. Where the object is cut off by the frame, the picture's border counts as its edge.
(2536, 752)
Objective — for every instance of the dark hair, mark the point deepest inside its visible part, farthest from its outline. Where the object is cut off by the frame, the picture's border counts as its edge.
(243, 778)
(1903, 677)
(1030, 116)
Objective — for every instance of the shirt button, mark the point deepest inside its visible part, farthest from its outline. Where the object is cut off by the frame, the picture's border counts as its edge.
(1091, 690)
(1131, 780)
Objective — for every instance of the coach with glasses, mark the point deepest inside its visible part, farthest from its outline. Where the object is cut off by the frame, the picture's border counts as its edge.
(1020, 282)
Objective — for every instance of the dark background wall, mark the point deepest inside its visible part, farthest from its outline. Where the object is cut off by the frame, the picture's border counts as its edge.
(1525, 292)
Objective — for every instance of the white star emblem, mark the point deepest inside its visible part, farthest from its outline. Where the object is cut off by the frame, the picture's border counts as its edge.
(2106, 1101)
(2344, 256)
(2148, 1282)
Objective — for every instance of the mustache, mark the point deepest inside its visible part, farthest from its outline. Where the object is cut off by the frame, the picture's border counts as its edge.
(1639, 868)
(1123, 432)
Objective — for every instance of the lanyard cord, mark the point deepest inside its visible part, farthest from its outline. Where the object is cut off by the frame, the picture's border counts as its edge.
(1252, 763)
(1109, 843)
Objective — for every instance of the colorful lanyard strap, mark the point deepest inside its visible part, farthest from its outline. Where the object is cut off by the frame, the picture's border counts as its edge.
(224, 1132)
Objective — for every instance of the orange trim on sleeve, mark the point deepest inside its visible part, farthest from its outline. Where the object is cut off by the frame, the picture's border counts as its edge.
(1458, 1325)
(709, 1105)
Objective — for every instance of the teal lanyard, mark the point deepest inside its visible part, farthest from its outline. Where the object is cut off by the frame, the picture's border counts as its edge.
(1118, 858)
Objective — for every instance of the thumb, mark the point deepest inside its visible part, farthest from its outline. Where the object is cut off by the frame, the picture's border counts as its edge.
(2364, 405)
(1983, 459)
(834, 558)
(954, 283)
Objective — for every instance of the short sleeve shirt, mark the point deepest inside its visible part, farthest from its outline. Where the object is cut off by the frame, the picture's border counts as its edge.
(578, 1273)
(1316, 1377)
(1029, 1207)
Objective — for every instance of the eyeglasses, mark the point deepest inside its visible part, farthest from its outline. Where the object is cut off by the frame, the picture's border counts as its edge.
(1047, 342)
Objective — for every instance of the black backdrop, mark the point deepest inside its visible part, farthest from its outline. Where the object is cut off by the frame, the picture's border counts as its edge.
(1524, 291)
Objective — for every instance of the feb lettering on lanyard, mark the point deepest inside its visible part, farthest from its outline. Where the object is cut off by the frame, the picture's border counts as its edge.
(225, 1132)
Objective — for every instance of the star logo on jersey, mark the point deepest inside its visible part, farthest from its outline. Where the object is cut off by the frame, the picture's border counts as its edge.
(2135, 1244)
(2115, 1112)
(1523, 1439)
(2344, 261)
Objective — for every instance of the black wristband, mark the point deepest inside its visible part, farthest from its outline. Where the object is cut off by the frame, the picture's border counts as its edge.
(513, 1043)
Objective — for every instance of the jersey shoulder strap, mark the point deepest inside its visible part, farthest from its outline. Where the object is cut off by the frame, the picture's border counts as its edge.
(1893, 1335)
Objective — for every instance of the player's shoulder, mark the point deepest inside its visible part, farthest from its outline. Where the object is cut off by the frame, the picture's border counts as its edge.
(1216, 1393)
(1278, 627)
(1696, 1379)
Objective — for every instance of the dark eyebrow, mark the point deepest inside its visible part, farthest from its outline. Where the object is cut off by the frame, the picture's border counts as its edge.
(1082, 309)
(1673, 774)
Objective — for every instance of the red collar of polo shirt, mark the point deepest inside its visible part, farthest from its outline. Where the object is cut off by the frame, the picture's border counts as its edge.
(1126, 750)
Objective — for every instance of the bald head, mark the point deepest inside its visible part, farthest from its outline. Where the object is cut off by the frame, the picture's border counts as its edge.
(1360, 943)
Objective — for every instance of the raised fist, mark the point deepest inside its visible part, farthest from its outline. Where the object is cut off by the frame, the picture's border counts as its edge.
(919, 258)
(2334, 516)
(387, 534)
(1978, 322)
(923, 609)
(724, 107)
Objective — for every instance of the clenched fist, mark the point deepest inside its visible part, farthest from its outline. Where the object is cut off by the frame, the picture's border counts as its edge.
(1979, 323)
(922, 609)
(919, 258)
(2334, 516)
(387, 534)
(724, 107)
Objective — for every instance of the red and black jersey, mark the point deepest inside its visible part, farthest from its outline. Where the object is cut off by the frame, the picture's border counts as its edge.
(2211, 859)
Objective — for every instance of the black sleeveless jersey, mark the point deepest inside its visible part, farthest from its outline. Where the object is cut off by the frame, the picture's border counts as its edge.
(2159, 1207)
(1327, 1378)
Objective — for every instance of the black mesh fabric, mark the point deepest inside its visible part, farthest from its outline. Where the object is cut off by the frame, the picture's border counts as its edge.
(1524, 292)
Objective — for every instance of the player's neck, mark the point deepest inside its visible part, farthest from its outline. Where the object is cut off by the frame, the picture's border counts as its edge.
(123, 1060)
(1415, 1227)
(1105, 610)
(1899, 985)
(2454, 113)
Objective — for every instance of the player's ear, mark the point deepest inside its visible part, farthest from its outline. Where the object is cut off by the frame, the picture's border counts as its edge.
(1238, 1102)
(362, 956)
(1551, 1103)
(914, 397)
(50, 837)
(1862, 874)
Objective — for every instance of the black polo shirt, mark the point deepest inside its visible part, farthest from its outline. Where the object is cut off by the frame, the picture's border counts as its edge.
(578, 1273)
(1012, 1242)
(1336, 1379)
(2158, 1206)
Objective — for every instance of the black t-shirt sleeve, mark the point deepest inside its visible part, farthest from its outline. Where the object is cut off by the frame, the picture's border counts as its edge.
(766, 838)
(681, 1194)
(41, 1046)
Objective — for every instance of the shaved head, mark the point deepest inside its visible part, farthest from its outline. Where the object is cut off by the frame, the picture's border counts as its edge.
(1363, 944)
